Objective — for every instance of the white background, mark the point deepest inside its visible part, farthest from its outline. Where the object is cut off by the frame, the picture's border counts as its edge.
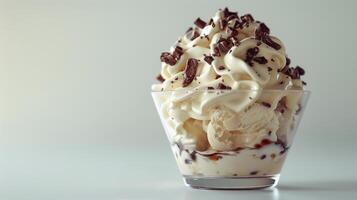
(78, 73)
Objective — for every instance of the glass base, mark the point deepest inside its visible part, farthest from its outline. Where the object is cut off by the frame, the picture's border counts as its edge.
(232, 183)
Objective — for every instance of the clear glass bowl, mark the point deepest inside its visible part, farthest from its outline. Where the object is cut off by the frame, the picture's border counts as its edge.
(230, 139)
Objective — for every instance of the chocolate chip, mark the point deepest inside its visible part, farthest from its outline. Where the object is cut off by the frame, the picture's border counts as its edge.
(221, 67)
(260, 60)
(187, 161)
(200, 23)
(262, 157)
(221, 86)
(208, 59)
(304, 83)
(253, 172)
(190, 71)
(218, 76)
(266, 104)
(281, 106)
(160, 78)
(269, 69)
(210, 88)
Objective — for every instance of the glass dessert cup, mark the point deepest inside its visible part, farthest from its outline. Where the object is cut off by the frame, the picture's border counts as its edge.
(230, 139)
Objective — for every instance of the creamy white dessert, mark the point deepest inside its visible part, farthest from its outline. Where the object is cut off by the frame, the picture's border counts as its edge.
(229, 99)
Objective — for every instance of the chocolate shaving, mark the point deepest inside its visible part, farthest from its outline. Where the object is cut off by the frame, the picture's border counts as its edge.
(260, 60)
(262, 33)
(266, 104)
(200, 23)
(168, 58)
(160, 78)
(227, 13)
(221, 86)
(224, 45)
(216, 51)
(222, 24)
(190, 71)
(208, 59)
(247, 18)
(232, 31)
(234, 41)
(177, 52)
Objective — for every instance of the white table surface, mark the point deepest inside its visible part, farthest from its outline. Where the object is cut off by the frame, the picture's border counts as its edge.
(118, 172)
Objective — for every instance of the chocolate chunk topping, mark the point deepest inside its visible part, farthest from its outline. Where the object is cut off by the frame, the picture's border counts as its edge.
(216, 51)
(210, 22)
(195, 35)
(269, 69)
(294, 73)
(160, 78)
(247, 18)
(177, 52)
(262, 157)
(168, 58)
(232, 31)
(250, 55)
(224, 45)
(190, 71)
(221, 86)
(300, 70)
(262, 33)
(234, 41)
(252, 52)
(227, 13)
(288, 61)
(266, 104)
(200, 23)
(260, 60)
(208, 59)
(210, 88)
(222, 24)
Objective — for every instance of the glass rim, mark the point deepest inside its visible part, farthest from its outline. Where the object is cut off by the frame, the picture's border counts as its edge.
(226, 90)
